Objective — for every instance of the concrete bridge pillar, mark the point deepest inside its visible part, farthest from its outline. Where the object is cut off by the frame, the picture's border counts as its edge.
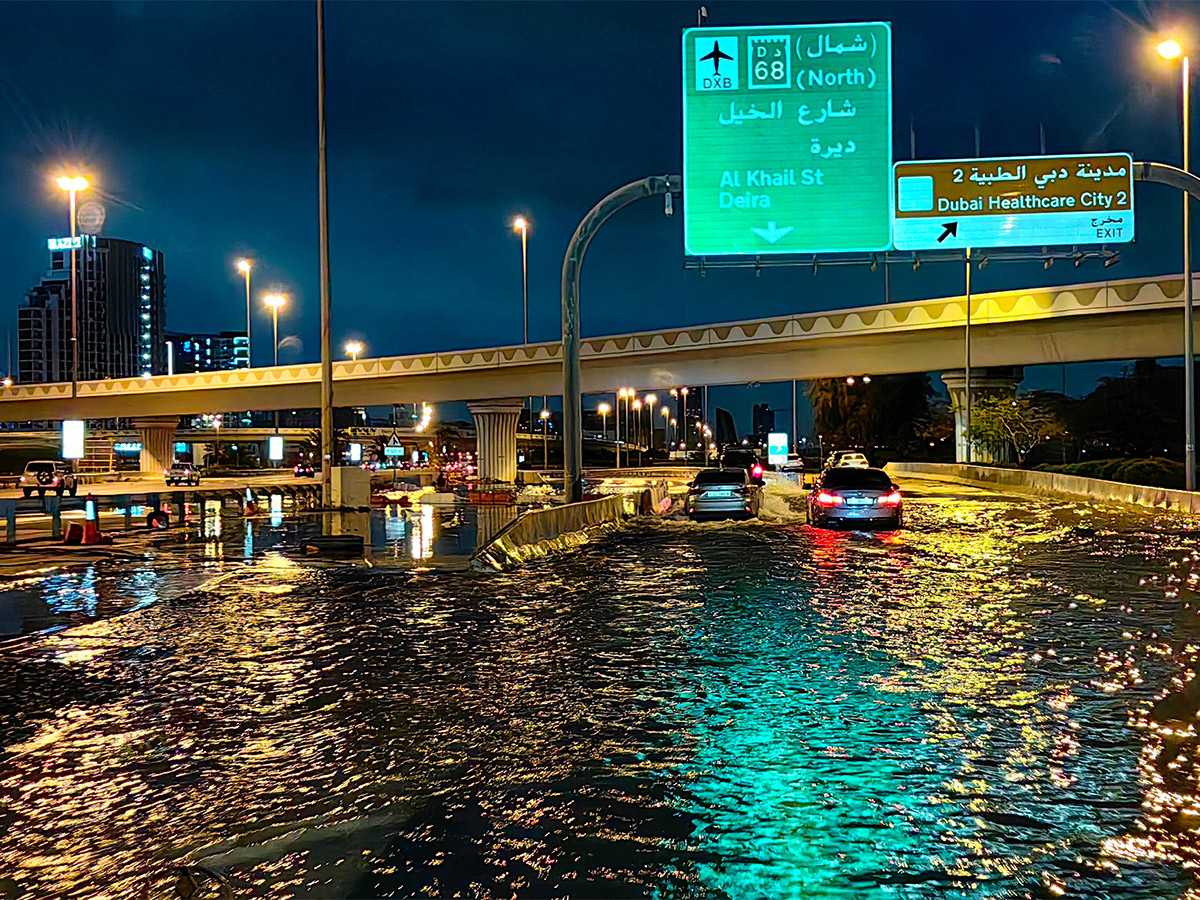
(496, 438)
(157, 434)
(993, 381)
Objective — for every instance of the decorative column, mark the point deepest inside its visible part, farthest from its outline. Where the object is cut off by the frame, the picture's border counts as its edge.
(157, 434)
(496, 438)
(995, 381)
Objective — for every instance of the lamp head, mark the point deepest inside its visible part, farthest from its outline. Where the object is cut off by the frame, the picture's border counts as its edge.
(243, 266)
(1170, 49)
(76, 183)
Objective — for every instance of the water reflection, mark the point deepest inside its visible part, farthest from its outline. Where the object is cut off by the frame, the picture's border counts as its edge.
(677, 712)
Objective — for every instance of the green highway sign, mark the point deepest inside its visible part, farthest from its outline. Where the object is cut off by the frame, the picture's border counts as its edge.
(787, 139)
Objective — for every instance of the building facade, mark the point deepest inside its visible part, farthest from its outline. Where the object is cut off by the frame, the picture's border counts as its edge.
(121, 299)
(220, 352)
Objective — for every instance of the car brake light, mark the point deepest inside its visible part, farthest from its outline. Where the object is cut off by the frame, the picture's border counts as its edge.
(827, 499)
(757, 470)
(892, 499)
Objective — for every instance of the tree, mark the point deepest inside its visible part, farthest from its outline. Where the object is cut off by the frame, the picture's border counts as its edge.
(883, 411)
(1017, 422)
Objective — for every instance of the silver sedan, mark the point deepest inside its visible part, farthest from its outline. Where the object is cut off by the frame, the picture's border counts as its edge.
(723, 494)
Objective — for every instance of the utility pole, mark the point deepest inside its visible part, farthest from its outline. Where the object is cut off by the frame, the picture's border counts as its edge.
(326, 282)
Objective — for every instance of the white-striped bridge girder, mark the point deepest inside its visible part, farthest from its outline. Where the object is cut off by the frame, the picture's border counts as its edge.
(1108, 320)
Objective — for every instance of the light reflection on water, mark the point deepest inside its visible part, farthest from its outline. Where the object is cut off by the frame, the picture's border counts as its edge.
(978, 707)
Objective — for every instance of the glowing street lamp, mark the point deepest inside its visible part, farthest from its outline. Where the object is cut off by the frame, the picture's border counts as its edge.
(244, 266)
(1172, 49)
(73, 185)
(275, 301)
(353, 348)
(651, 399)
(666, 414)
(604, 409)
(544, 415)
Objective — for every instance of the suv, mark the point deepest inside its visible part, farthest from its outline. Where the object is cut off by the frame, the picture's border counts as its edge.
(44, 475)
(181, 473)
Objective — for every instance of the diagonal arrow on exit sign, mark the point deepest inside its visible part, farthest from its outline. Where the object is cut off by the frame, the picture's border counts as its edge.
(771, 234)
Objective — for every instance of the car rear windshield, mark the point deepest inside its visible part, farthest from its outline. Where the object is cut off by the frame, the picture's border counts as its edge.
(741, 458)
(721, 476)
(857, 479)
(40, 467)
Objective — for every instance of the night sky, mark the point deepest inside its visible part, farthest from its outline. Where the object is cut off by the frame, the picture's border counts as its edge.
(197, 123)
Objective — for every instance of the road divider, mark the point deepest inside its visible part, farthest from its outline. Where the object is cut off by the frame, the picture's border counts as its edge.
(1052, 484)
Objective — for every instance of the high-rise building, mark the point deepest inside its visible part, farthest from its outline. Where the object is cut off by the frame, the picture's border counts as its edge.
(120, 294)
(218, 352)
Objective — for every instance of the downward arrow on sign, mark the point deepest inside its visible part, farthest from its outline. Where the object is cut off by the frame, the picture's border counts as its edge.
(771, 234)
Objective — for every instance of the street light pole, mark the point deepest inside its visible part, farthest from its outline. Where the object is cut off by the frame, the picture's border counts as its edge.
(521, 224)
(72, 186)
(244, 266)
(275, 301)
(326, 279)
(1189, 361)
(1171, 49)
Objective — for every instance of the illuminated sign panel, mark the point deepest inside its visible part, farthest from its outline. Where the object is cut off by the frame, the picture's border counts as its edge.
(355, 452)
(72, 439)
(777, 448)
(65, 243)
(1014, 202)
(787, 139)
(127, 447)
(275, 447)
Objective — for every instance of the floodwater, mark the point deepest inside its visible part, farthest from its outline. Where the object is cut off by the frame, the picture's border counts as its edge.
(996, 702)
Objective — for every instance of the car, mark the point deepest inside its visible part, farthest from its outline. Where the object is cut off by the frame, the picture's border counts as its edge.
(181, 473)
(44, 475)
(722, 494)
(855, 496)
(852, 458)
(794, 463)
(304, 470)
(737, 458)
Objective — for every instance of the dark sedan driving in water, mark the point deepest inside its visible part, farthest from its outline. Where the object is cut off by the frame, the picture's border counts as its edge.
(856, 498)
(723, 494)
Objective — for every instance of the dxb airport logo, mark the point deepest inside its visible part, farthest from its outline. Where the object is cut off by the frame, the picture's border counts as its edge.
(716, 63)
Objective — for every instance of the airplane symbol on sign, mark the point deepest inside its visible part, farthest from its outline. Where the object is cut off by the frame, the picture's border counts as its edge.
(716, 56)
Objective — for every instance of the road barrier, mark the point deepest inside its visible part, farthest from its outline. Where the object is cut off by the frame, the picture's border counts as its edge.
(174, 502)
(542, 531)
(1053, 484)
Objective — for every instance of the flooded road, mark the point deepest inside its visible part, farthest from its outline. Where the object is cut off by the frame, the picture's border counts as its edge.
(994, 703)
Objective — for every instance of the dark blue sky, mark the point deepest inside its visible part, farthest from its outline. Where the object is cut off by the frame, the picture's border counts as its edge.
(445, 120)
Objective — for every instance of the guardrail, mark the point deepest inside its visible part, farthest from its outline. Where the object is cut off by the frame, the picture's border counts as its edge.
(119, 508)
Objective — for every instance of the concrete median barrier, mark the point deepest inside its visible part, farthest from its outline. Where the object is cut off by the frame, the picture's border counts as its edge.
(544, 531)
(1051, 484)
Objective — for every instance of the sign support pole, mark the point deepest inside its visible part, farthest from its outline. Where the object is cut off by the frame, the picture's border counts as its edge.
(967, 353)
(327, 448)
(572, 435)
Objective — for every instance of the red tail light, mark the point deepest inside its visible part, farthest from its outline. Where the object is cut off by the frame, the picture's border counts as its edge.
(892, 499)
(757, 471)
(827, 499)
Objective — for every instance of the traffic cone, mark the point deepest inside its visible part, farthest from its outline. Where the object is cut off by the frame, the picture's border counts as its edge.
(91, 523)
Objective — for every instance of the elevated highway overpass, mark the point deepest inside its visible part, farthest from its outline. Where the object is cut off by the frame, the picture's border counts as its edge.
(1124, 319)
(1107, 320)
